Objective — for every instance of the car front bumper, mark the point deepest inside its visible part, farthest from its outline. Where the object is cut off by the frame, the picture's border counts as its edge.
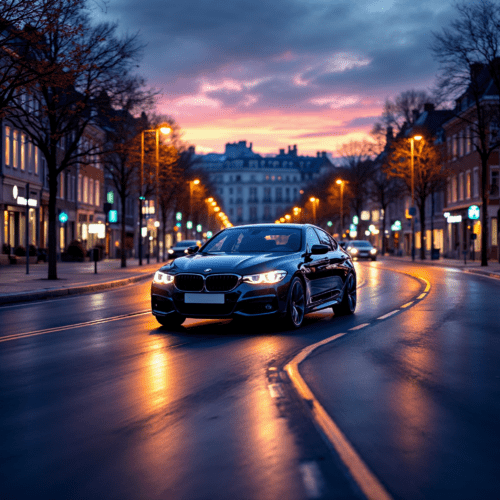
(245, 300)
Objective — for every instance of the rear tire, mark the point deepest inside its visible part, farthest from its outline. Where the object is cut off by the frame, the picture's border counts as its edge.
(348, 304)
(296, 305)
(171, 320)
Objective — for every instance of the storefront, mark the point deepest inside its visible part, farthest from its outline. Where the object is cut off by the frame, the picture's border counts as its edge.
(20, 218)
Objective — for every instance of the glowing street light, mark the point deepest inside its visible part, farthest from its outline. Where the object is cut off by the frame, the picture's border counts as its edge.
(314, 202)
(341, 183)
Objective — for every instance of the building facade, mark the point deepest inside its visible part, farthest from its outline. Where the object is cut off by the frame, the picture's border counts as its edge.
(252, 188)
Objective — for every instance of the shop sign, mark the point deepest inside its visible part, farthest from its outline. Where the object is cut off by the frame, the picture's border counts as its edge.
(99, 229)
(396, 226)
(473, 212)
(454, 219)
(21, 200)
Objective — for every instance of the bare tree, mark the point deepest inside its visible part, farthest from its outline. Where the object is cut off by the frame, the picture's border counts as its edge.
(87, 59)
(23, 27)
(468, 52)
(358, 169)
(427, 172)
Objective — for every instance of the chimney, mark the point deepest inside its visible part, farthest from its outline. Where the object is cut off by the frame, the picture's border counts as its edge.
(323, 154)
(317, 154)
(295, 150)
(250, 146)
(429, 107)
(282, 152)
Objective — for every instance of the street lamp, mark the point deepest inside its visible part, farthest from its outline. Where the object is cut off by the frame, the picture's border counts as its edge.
(157, 130)
(314, 202)
(192, 183)
(341, 183)
(413, 210)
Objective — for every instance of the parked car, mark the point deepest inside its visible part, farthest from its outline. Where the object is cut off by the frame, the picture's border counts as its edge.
(361, 249)
(262, 271)
(180, 248)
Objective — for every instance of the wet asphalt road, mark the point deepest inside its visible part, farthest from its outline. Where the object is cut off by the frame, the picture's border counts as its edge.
(97, 401)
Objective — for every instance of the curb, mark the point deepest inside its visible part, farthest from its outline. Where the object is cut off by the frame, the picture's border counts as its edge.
(76, 290)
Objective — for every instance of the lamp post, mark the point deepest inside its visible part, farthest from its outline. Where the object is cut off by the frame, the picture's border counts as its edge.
(413, 210)
(341, 183)
(192, 183)
(157, 130)
(314, 202)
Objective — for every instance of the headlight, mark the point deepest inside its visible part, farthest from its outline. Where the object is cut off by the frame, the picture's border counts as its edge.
(163, 278)
(170, 251)
(267, 278)
(353, 250)
(373, 251)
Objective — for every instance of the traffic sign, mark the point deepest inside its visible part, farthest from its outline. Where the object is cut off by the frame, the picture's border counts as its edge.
(474, 212)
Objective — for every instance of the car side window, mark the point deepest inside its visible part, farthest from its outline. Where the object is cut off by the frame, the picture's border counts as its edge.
(311, 239)
(324, 239)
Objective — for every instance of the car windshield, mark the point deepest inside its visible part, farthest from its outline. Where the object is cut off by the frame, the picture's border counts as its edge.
(360, 244)
(255, 240)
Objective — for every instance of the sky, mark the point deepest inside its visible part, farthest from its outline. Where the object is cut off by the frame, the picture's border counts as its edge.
(276, 73)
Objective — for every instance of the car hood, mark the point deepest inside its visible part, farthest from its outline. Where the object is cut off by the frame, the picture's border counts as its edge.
(231, 263)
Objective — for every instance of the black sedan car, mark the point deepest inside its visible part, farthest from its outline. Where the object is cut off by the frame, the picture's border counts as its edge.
(280, 270)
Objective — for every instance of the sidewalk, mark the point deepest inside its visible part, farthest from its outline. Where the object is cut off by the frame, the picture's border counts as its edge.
(73, 278)
(492, 270)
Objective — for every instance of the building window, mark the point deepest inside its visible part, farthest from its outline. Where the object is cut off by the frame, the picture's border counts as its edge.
(454, 189)
(15, 152)
(61, 185)
(253, 214)
(267, 195)
(468, 142)
(279, 194)
(7, 146)
(23, 152)
(468, 186)
(85, 189)
(97, 193)
(461, 186)
(454, 143)
(267, 212)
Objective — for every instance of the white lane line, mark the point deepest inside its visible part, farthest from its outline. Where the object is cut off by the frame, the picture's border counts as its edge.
(276, 391)
(17, 336)
(359, 327)
(421, 296)
(362, 475)
(388, 315)
(407, 305)
(312, 479)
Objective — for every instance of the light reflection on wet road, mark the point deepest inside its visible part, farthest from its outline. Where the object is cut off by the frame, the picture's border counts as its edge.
(125, 409)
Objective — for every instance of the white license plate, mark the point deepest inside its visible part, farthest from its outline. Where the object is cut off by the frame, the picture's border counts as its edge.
(204, 298)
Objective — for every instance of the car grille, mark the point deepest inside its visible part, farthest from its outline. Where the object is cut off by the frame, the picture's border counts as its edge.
(221, 282)
(189, 282)
(215, 283)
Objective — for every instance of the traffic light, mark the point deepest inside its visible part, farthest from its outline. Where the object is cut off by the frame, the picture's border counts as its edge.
(178, 216)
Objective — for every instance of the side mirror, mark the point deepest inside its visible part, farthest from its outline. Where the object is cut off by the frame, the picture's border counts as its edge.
(192, 250)
(319, 249)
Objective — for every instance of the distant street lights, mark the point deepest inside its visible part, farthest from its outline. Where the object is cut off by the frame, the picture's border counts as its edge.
(192, 183)
(413, 210)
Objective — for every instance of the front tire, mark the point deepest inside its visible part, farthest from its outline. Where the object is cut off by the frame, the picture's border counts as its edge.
(348, 304)
(172, 320)
(296, 305)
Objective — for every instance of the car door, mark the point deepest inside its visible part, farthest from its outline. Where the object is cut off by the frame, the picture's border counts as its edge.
(315, 270)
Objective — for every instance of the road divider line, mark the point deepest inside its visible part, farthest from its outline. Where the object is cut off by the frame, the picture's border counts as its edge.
(388, 315)
(421, 296)
(360, 472)
(359, 327)
(17, 336)
(407, 305)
